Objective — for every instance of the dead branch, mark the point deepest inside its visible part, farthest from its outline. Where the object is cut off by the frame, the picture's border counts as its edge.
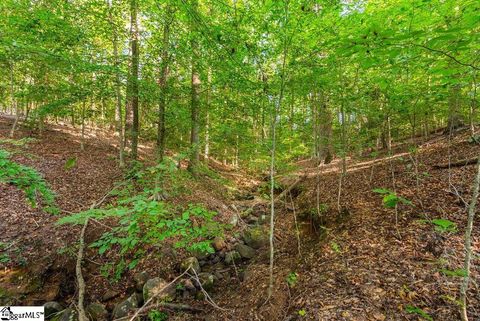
(460, 163)
(82, 316)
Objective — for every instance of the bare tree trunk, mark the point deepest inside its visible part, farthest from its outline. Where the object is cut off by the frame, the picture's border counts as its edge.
(277, 109)
(163, 89)
(118, 109)
(82, 139)
(132, 122)
(14, 101)
(468, 244)
(207, 119)
(195, 102)
(119, 128)
(473, 107)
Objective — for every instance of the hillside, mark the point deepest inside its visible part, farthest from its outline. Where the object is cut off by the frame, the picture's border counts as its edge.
(364, 262)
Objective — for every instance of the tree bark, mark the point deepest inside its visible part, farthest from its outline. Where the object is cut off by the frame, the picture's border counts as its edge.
(118, 95)
(132, 121)
(14, 101)
(468, 244)
(195, 96)
(163, 88)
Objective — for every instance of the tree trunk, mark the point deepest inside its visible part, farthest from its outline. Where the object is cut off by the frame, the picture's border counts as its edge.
(207, 118)
(163, 90)
(14, 101)
(118, 95)
(468, 244)
(132, 122)
(82, 138)
(195, 102)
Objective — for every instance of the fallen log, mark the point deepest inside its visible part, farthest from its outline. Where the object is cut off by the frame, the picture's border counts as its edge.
(460, 163)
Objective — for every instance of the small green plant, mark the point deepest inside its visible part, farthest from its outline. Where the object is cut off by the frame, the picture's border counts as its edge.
(455, 273)
(70, 163)
(144, 222)
(391, 199)
(416, 310)
(4, 258)
(475, 139)
(335, 247)
(444, 225)
(28, 180)
(155, 315)
(302, 312)
(292, 279)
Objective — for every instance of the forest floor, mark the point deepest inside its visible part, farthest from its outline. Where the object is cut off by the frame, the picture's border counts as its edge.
(361, 261)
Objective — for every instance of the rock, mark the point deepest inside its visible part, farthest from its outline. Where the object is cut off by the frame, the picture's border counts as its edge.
(110, 294)
(68, 314)
(96, 312)
(200, 255)
(244, 275)
(159, 288)
(218, 275)
(233, 220)
(191, 261)
(231, 257)
(219, 243)
(245, 251)
(52, 308)
(123, 308)
(188, 284)
(140, 280)
(206, 280)
(256, 237)
(262, 219)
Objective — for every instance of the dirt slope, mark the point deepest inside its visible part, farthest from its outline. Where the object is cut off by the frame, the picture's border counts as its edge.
(366, 264)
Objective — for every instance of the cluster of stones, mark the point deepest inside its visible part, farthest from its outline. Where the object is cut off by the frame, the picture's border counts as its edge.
(209, 269)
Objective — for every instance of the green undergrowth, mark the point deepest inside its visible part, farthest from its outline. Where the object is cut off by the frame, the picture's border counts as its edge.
(145, 219)
(36, 189)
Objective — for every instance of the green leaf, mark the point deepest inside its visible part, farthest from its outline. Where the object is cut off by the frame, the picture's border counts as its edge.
(415, 310)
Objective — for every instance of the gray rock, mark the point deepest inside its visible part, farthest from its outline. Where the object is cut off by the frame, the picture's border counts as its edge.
(52, 308)
(231, 257)
(200, 255)
(263, 219)
(233, 220)
(245, 275)
(96, 312)
(207, 281)
(193, 261)
(140, 280)
(158, 288)
(123, 308)
(245, 251)
(188, 284)
(110, 294)
(219, 243)
(256, 237)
